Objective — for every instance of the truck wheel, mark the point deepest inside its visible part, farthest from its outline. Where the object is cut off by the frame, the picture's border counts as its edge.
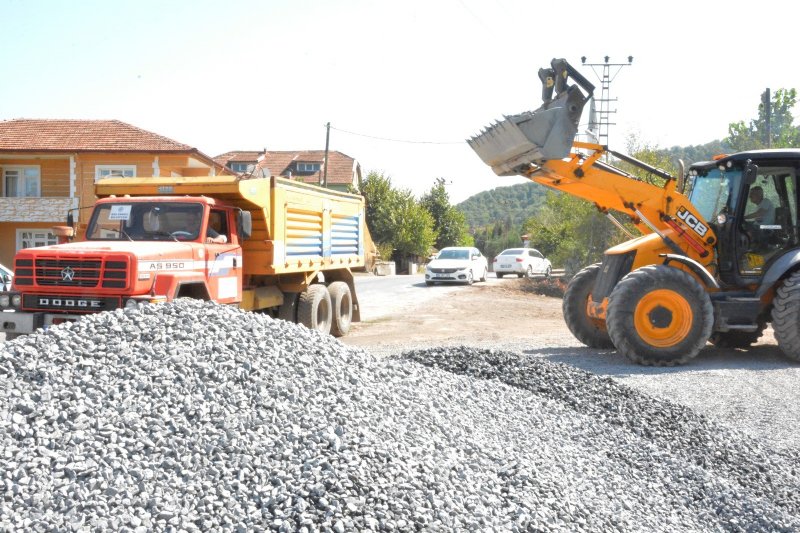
(342, 303)
(588, 330)
(288, 310)
(314, 308)
(12, 336)
(786, 316)
(659, 316)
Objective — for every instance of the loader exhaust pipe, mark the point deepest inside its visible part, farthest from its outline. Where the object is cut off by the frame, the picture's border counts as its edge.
(510, 146)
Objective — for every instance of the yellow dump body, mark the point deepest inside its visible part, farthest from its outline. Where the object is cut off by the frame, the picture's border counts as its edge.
(297, 227)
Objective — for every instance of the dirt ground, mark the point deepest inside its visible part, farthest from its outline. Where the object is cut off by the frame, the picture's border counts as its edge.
(483, 315)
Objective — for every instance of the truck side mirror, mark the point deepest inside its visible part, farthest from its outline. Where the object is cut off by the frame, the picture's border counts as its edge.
(6, 285)
(245, 219)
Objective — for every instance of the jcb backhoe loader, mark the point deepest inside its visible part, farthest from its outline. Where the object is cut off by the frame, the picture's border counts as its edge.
(719, 255)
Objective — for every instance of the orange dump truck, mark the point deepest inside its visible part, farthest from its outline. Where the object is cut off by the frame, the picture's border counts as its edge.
(265, 244)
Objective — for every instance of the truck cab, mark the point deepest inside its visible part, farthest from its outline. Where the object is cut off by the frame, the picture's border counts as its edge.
(134, 250)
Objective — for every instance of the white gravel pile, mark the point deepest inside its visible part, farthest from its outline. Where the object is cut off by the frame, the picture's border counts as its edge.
(192, 416)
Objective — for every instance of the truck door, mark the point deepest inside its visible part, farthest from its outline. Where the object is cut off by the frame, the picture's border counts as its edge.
(223, 257)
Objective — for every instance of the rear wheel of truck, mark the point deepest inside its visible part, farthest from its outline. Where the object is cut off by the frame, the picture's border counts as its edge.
(786, 317)
(659, 316)
(288, 309)
(314, 308)
(342, 304)
(590, 331)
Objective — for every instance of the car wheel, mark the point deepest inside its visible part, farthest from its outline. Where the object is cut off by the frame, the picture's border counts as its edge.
(548, 272)
(428, 283)
(499, 275)
(485, 272)
(520, 274)
(470, 278)
(529, 272)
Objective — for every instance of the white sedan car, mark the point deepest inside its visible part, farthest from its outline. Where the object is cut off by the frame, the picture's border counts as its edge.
(522, 262)
(457, 265)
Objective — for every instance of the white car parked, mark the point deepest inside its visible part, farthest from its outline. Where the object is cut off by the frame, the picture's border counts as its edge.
(6, 276)
(522, 262)
(457, 265)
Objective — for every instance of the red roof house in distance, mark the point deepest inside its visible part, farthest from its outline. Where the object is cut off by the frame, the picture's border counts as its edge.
(49, 166)
(344, 172)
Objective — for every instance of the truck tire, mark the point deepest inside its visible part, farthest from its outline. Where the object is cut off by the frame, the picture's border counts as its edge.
(342, 304)
(659, 316)
(288, 309)
(785, 316)
(314, 308)
(12, 336)
(589, 331)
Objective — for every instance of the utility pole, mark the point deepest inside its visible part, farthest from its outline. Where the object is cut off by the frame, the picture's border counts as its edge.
(767, 101)
(325, 161)
(605, 99)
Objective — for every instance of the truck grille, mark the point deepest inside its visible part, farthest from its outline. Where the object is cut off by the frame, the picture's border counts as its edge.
(78, 272)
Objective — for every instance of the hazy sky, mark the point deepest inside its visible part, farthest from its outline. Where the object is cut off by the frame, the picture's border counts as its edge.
(247, 75)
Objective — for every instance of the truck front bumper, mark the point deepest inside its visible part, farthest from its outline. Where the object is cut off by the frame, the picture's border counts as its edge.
(20, 322)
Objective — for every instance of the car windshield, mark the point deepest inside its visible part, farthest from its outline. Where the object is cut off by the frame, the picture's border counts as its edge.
(145, 221)
(513, 251)
(453, 254)
(713, 192)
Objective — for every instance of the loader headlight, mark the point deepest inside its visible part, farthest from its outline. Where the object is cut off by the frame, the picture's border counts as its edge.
(5, 300)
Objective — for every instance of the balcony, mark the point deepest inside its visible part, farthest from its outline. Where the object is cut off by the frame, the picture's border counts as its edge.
(29, 209)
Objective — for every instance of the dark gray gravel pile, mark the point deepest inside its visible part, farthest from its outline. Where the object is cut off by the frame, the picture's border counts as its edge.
(191, 416)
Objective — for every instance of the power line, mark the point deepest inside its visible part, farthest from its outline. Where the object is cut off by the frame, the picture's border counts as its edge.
(387, 139)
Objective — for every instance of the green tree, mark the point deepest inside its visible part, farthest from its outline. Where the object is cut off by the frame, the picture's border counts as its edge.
(449, 222)
(395, 218)
(783, 133)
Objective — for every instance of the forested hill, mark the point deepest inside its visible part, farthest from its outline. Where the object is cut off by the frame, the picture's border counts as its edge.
(514, 204)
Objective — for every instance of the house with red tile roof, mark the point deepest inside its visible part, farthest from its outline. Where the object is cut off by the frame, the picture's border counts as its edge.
(48, 167)
(344, 172)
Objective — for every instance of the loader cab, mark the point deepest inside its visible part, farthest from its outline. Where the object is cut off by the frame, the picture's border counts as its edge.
(750, 200)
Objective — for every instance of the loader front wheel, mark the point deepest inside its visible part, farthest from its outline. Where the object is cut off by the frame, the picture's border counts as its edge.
(786, 317)
(659, 316)
(589, 331)
(314, 308)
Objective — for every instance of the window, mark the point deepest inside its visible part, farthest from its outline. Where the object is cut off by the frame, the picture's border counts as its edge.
(108, 171)
(21, 181)
(240, 167)
(308, 167)
(30, 238)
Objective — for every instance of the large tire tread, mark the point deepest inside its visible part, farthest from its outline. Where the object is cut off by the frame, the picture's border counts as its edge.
(579, 323)
(342, 305)
(786, 317)
(314, 309)
(627, 294)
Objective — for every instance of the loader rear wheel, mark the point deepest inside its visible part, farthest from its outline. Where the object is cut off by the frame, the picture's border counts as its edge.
(342, 303)
(786, 317)
(659, 316)
(589, 331)
(314, 308)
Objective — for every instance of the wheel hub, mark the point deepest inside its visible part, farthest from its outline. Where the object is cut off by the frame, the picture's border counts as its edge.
(660, 317)
(663, 318)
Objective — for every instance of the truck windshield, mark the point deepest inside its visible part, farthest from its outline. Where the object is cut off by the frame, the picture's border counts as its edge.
(714, 192)
(145, 221)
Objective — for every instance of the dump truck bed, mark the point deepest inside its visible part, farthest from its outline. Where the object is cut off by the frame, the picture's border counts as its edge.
(297, 227)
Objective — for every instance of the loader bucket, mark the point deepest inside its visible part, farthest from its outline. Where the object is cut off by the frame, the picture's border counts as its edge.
(511, 145)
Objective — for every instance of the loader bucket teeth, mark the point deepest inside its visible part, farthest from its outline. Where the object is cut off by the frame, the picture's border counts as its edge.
(513, 144)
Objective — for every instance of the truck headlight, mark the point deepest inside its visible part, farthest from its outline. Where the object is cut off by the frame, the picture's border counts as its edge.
(5, 300)
(16, 300)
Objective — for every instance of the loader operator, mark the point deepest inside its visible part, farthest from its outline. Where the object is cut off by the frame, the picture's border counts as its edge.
(765, 209)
